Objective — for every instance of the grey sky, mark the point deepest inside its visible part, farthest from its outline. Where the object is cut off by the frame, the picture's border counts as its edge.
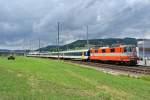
(22, 21)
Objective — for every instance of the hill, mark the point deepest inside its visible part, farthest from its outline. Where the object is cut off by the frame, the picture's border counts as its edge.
(48, 48)
(93, 43)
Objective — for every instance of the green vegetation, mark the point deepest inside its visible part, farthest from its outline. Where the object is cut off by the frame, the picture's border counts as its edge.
(40, 79)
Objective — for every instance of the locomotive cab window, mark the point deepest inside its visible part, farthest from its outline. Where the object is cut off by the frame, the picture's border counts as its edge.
(125, 49)
(128, 49)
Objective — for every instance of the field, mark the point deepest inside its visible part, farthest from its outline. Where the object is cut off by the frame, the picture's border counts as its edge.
(44, 79)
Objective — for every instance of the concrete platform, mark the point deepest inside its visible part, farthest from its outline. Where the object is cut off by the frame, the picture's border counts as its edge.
(145, 63)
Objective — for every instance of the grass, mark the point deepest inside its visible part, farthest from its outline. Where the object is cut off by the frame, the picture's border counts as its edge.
(43, 79)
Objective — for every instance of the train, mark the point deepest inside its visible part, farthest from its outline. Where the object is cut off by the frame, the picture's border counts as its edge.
(125, 54)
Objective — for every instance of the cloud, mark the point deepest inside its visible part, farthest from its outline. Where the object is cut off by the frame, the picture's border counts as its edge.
(22, 21)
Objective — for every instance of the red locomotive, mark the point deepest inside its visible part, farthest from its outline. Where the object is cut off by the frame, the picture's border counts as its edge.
(121, 54)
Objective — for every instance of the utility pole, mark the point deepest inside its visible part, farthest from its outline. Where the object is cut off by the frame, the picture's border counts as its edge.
(58, 38)
(39, 45)
(30, 45)
(56, 48)
(87, 37)
(67, 46)
(23, 47)
(101, 43)
(143, 50)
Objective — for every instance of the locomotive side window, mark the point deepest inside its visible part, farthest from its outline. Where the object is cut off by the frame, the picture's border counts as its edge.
(99, 50)
(125, 49)
(112, 50)
(96, 51)
(103, 50)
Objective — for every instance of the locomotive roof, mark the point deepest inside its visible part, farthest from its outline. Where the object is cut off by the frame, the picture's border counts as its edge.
(114, 46)
(71, 51)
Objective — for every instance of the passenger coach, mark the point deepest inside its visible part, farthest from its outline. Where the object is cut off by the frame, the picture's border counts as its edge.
(70, 54)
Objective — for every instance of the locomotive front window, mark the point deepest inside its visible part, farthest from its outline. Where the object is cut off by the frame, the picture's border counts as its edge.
(129, 49)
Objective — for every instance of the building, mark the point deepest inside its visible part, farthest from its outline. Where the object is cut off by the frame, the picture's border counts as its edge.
(146, 48)
(146, 44)
(146, 51)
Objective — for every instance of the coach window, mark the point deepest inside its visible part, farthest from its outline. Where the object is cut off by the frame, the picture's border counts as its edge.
(79, 54)
(103, 50)
(112, 50)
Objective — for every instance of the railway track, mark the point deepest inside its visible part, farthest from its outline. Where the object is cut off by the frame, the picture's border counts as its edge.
(133, 69)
